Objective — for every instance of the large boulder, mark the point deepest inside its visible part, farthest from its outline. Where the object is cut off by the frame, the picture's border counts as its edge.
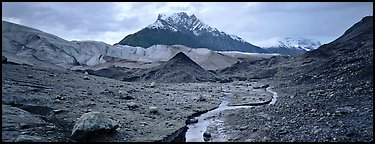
(93, 123)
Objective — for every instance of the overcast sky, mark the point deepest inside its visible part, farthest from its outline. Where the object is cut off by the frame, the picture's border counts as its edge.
(254, 22)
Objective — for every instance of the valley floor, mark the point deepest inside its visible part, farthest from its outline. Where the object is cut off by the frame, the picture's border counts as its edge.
(46, 103)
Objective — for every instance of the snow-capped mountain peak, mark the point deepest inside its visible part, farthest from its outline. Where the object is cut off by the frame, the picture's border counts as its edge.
(181, 21)
(291, 43)
(183, 29)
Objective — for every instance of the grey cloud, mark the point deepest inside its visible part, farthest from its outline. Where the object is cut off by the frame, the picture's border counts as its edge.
(305, 19)
(276, 7)
(88, 17)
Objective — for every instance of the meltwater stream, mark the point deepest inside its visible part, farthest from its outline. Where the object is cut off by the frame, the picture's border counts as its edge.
(195, 131)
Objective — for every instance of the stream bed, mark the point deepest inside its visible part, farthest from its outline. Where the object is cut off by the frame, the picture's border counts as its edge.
(195, 131)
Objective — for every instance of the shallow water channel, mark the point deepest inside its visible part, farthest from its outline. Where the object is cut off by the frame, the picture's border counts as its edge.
(195, 131)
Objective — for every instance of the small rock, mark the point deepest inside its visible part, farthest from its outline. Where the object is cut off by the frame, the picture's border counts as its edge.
(86, 78)
(314, 110)
(132, 105)
(91, 104)
(60, 98)
(50, 127)
(28, 138)
(255, 129)
(24, 125)
(167, 108)
(29, 76)
(93, 123)
(243, 128)
(328, 114)
(58, 111)
(125, 95)
(256, 87)
(201, 98)
(153, 109)
(88, 110)
(264, 86)
(282, 131)
(357, 89)
(193, 120)
(206, 134)
(143, 123)
(152, 85)
(338, 113)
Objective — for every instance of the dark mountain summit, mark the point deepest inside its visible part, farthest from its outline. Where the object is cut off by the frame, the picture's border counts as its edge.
(179, 69)
(181, 29)
(180, 59)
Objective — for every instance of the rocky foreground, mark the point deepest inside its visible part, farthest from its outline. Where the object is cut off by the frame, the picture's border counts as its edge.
(41, 104)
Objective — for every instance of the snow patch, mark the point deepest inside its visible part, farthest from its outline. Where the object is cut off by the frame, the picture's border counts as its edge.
(290, 43)
(236, 38)
(156, 25)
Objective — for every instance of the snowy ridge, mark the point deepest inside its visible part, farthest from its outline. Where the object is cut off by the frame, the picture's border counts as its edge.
(181, 21)
(291, 43)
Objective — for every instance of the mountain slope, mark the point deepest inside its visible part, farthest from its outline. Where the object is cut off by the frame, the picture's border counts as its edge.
(349, 54)
(30, 46)
(182, 29)
(328, 90)
(27, 44)
(148, 37)
(180, 69)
